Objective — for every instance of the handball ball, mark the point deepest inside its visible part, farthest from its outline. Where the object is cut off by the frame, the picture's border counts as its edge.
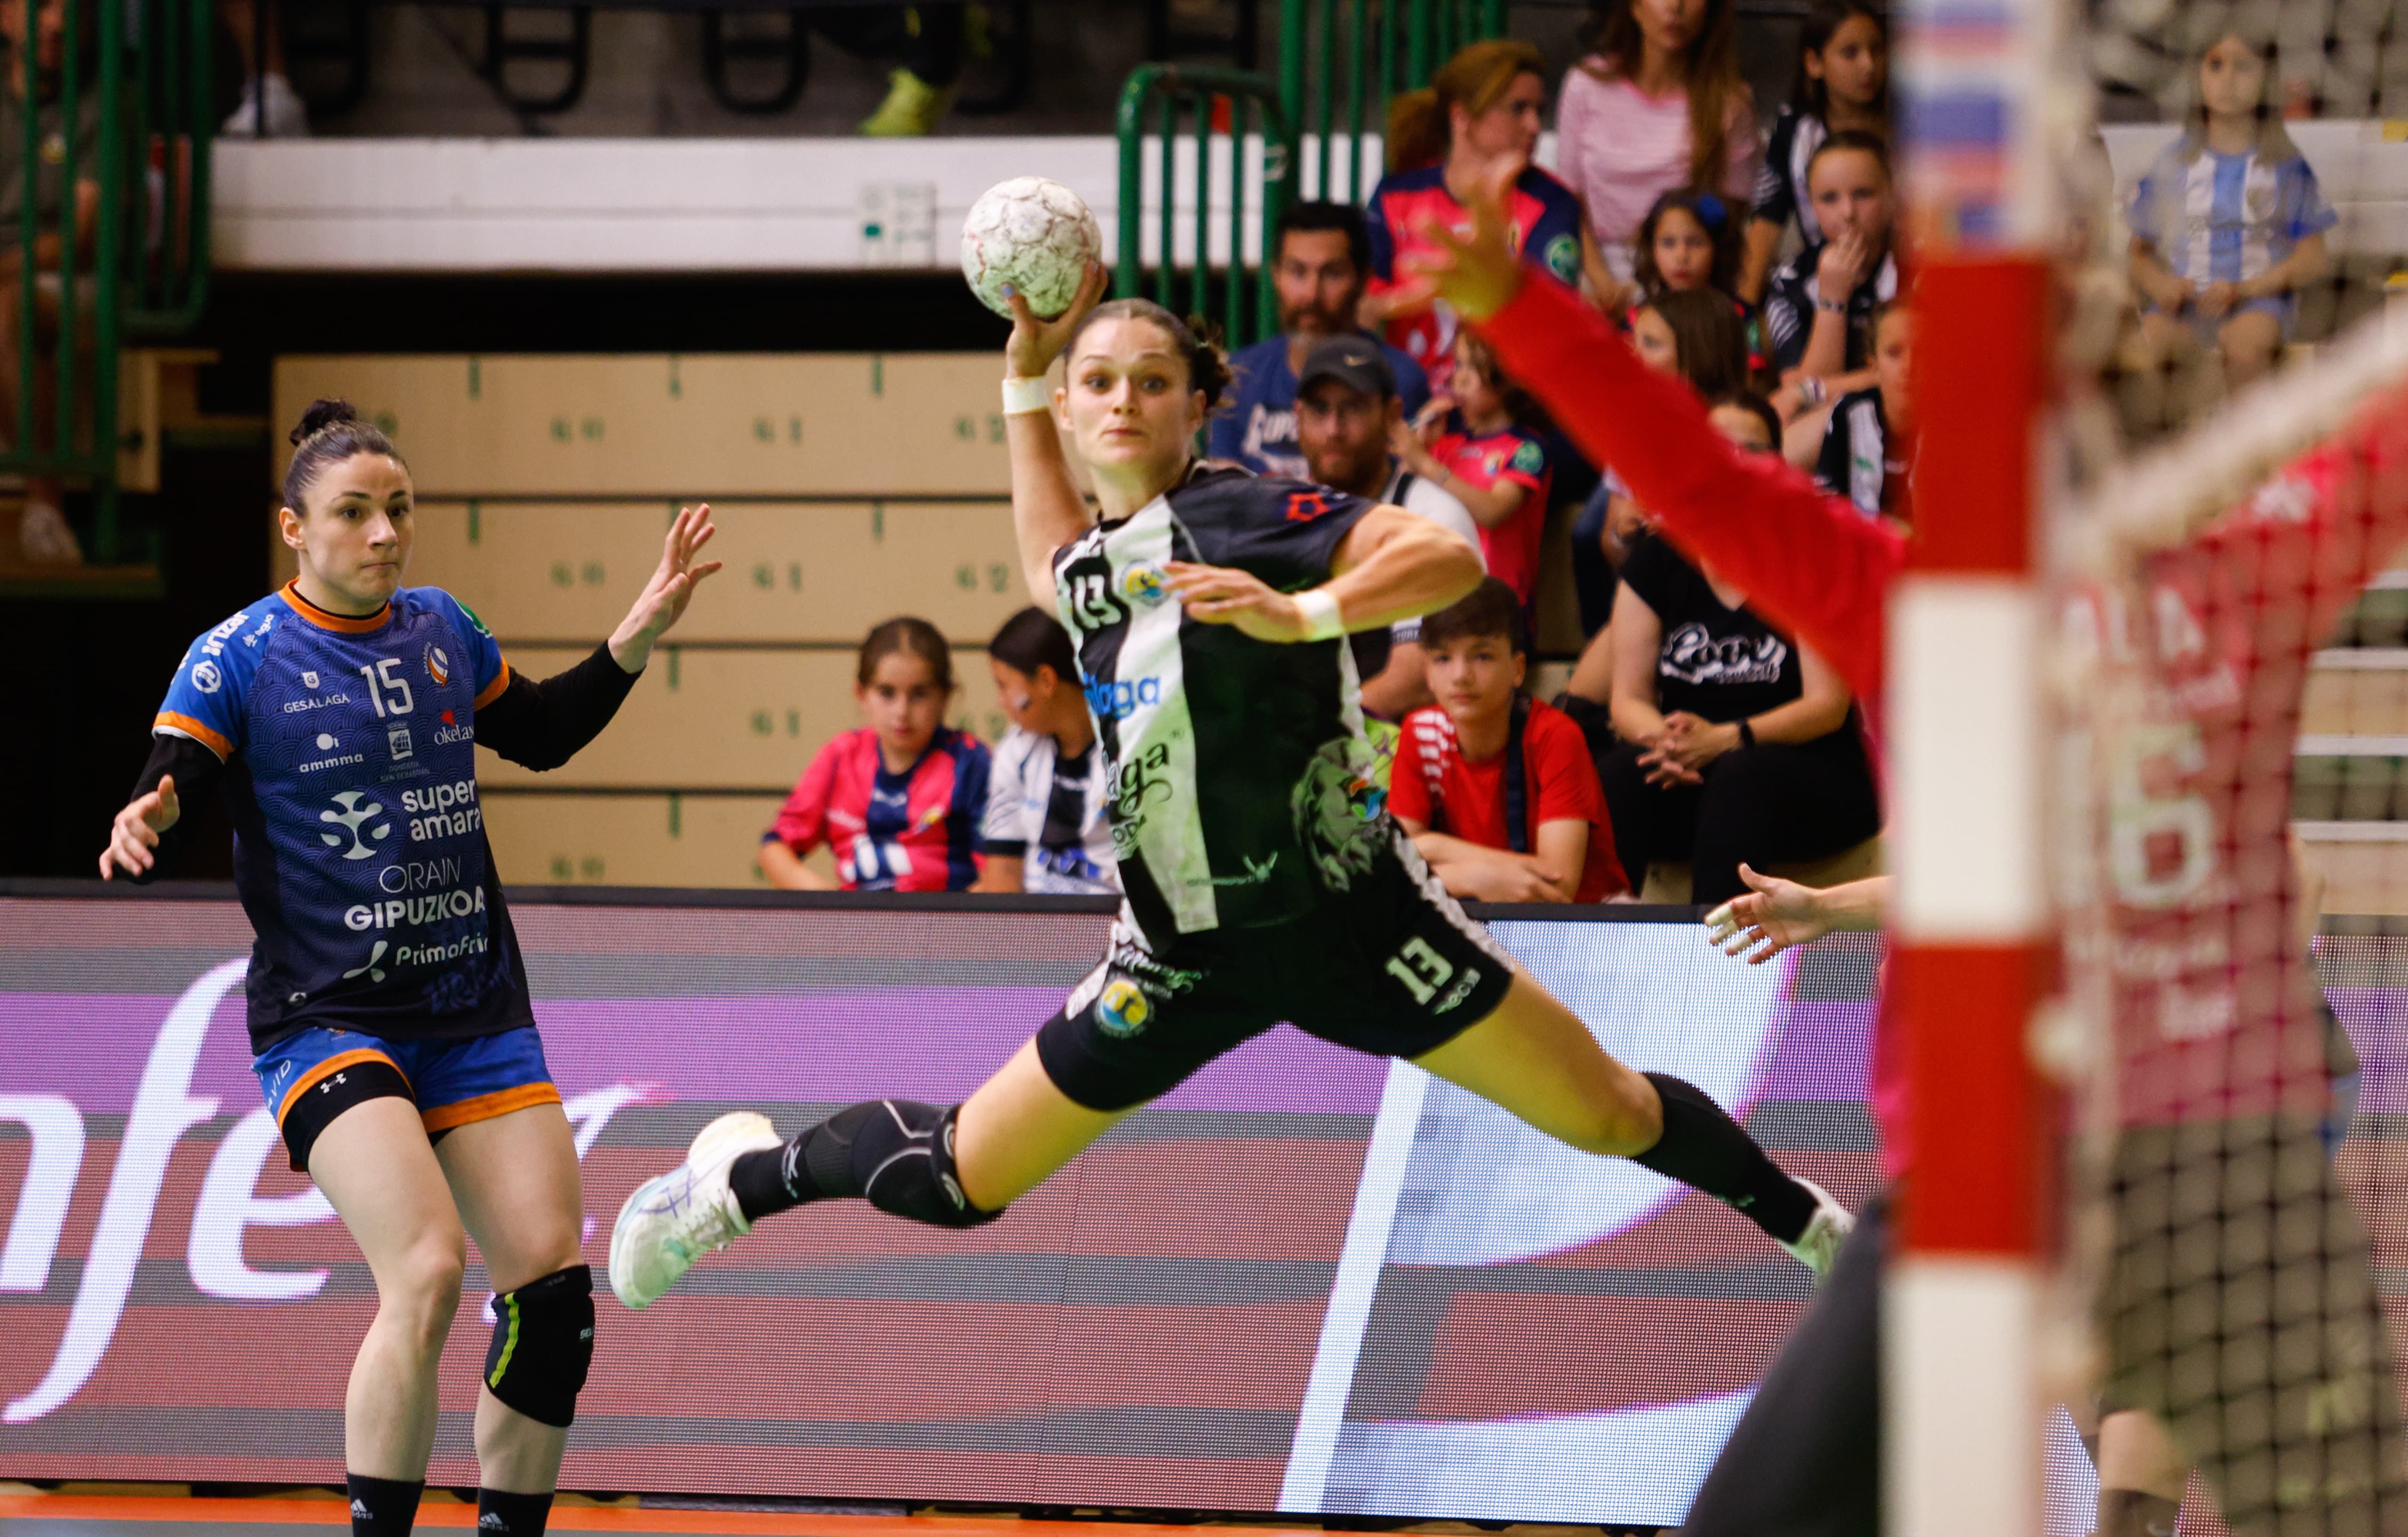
(1034, 234)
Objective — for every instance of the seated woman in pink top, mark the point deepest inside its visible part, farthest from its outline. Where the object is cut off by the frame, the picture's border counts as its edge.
(1658, 104)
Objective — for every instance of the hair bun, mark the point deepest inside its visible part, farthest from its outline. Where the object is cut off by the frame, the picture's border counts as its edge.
(321, 415)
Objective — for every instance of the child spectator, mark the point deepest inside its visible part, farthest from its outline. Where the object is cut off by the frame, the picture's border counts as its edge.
(1697, 336)
(1686, 245)
(1658, 104)
(2229, 221)
(1869, 445)
(899, 798)
(1736, 743)
(1842, 86)
(1045, 828)
(1321, 259)
(1496, 789)
(1819, 314)
(1479, 114)
(1485, 456)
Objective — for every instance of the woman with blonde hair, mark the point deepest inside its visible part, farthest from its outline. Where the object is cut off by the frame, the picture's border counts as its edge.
(1479, 115)
(1658, 104)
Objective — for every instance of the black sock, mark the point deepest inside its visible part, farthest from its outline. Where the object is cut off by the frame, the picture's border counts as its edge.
(383, 1507)
(502, 1513)
(1704, 1148)
(759, 1180)
(2130, 1512)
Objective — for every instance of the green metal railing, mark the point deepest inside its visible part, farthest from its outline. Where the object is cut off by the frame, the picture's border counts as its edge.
(1233, 120)
(128, 119)
(1341, 60)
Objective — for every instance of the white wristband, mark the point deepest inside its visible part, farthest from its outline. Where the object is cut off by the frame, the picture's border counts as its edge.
(1021, 396)
(1321, 617)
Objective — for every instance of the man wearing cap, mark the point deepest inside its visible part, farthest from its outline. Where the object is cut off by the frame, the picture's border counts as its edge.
(1346, 405)
(1322, 256)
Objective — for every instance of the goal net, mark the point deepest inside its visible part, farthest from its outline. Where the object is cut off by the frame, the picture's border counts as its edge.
(2223, 558)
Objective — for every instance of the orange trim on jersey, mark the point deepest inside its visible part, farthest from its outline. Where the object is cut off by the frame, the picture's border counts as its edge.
(186, 726)
(501, 1101)
(328, 1069)
(493, 690)
(341, 623)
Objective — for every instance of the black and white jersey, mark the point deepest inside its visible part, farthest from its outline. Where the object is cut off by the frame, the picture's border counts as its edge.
(1049, 814)
(1858, 459)
(1243, 792)
(1781, 192)
(1791, 297)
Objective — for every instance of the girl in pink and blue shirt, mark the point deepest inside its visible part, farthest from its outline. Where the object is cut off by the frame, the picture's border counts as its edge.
(898, 800)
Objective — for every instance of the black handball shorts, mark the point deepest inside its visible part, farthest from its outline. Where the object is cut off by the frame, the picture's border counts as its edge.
(1392, 967)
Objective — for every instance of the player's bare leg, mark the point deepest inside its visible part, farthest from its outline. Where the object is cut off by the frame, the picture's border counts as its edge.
(1534, 1058)
(516, 1181)
(375, 1167)
(1018, 1129)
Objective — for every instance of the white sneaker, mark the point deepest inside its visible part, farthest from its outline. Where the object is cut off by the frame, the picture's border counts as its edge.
(44, 538)
(674, 1220)
(288, 115)
(1818, 1247)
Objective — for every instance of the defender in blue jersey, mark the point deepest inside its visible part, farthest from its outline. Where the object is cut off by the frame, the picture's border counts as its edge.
(387, 1004)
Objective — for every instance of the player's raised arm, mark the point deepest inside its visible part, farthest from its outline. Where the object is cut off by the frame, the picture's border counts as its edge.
(1808, 561)
(1047, 510)
(542, 724)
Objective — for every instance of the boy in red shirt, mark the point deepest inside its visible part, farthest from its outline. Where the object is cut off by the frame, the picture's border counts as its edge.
(1498, 791)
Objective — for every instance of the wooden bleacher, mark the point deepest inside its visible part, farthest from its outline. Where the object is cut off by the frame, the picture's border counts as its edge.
(848, 488)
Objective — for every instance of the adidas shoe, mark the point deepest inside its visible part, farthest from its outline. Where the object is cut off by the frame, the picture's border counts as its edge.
(670, 1222)
(1818, 1247)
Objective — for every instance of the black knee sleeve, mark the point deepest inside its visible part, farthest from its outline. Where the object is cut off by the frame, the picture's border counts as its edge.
(895, 1154)
(543, 1345)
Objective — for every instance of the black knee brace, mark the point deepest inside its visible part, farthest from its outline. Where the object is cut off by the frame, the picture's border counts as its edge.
(895, 1154)
(543, 1345)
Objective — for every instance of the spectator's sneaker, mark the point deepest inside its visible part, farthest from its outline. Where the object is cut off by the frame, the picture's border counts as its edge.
(1818, 1247)
(913, 108)
(44, 538)
(288, 115)
(672, 1221)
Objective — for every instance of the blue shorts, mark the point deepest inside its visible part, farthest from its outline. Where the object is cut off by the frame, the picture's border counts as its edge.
(316, 1074)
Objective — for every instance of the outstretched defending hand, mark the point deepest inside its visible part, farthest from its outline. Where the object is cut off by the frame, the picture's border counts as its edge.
(1477, 272)
(1214, 594)
(1035, 343)
(136, 832)
(1775, 913)
(663, 602)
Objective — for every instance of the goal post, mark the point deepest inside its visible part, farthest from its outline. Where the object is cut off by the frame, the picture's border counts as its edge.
(1962, 1321)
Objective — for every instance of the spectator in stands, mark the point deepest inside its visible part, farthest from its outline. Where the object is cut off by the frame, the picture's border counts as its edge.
(270, 107)
(1700, 336)
(899, 799)
(1319, 265)
(2229, 222)
(1658, 104)
(1737, 744)
(1869, 445)
(1045, 828)
(42, 533)
(1348, 416)
(1479, 114)
(928, 39)
(1488, 454)
(1818, 313)
(1498, 790)
(1843, 85)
